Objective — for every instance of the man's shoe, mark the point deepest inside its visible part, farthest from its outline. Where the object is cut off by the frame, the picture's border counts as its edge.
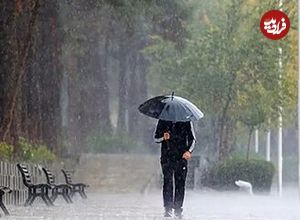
(178, 213)
(168, 212)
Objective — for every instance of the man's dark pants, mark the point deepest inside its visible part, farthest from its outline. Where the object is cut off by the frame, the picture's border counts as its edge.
(178, 170)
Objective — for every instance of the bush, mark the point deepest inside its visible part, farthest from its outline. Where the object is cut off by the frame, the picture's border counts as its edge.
(34, 153)
(258, 172)
(242, 154)
(6, 151)
(113, 143)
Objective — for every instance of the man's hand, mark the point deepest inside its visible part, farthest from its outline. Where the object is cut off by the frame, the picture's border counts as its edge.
(166, 136)
(187, 155)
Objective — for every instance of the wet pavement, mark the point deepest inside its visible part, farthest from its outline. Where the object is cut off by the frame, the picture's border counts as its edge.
(200, 205)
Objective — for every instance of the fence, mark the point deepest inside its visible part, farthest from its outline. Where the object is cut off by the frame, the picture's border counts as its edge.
(11, 177)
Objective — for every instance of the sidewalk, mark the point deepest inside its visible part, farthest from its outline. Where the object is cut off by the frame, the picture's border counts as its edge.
(198, 206)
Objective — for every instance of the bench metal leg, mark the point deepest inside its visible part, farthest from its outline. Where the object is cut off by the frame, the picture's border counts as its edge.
(47, 200)
(66, 198)
(4, 208)
(69, 198)
(46, 196)
(53, 194)
(32, 198)
(66, 194)
(82, 194)
(2, 204)
(53, 197)
(29, 200)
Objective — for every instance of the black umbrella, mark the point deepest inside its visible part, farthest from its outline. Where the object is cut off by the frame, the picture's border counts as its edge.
(171, 108)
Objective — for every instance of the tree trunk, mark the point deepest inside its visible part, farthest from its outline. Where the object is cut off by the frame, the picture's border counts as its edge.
(105, 121)
(7, 21)
(52, 74)
(146, 124)
(133, 93)
(223, 146)
(122, 80)
(23, 56)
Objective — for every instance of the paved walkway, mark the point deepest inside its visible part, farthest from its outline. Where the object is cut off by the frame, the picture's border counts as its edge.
(198, 206)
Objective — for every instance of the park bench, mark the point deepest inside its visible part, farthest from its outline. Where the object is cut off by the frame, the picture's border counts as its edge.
(76, 187)
(57, 189)
(34, 190)
(3, 190)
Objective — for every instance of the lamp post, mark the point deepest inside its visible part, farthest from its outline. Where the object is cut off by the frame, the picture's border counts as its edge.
(280, 132)
(280, 121)
(256, 141)
(298, 99)
(268, 147)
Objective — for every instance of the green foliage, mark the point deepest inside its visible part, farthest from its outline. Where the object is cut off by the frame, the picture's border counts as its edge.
(35, 153)
(227, 68)
(258, 172)
(113, 143)
(235, 69)
(6, 151)
(241, 154)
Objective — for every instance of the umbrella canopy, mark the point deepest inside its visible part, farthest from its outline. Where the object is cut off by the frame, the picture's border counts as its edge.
(171, 108)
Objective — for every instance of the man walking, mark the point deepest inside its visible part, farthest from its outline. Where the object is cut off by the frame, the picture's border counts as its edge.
(177, 144)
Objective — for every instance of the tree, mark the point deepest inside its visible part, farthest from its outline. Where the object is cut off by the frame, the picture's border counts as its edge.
(225, 60)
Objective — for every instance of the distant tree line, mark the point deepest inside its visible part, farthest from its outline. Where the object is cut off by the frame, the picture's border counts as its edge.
(73, 72)
(72, 69)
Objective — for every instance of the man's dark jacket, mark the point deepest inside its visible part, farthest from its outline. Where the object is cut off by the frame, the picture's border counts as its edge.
(182, 139)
